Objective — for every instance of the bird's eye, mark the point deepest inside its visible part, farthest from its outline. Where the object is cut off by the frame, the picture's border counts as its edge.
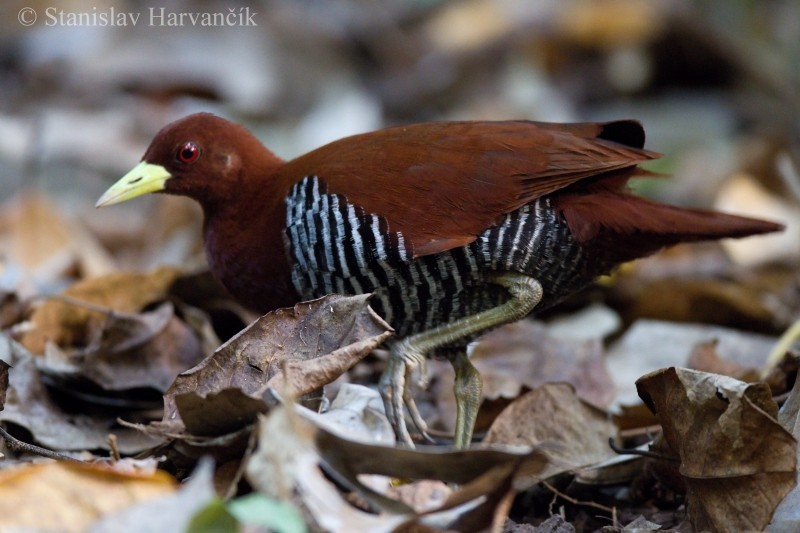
(188, 153)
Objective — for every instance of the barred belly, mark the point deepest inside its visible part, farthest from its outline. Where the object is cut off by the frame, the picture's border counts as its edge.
(337, 247)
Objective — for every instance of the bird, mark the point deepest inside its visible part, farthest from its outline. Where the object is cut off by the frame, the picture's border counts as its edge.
(455, 228)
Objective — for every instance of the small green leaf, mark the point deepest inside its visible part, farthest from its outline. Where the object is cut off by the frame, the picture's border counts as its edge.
(213, 518)
(257, 509)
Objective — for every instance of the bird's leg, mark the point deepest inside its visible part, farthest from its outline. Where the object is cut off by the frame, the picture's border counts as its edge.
(467, 389)
(410, 353)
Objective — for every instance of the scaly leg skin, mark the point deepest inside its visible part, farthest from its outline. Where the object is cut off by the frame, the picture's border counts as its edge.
(467, 388)
(410, 353)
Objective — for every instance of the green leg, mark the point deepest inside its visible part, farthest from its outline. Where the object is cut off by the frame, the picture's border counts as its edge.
(467, 389)
(410, 353)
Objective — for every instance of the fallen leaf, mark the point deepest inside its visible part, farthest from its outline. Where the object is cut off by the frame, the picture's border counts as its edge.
(524, 354)
(128, 351)
(357, 412)
(294, 351)
(29, 405)
(67, 324)
(735, 303)
(170, 512)
(76, 495)
(737, 461)
(11, 309)
(553, 414)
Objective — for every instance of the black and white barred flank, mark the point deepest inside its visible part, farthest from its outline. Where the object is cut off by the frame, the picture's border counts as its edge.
(339, 248)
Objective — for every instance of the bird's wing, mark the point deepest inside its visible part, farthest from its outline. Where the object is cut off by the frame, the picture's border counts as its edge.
(441, 184)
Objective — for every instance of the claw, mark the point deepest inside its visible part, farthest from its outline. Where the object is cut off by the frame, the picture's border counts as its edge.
(413, 412)
(392, 387)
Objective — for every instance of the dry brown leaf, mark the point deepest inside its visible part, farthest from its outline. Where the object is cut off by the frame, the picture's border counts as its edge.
(294, 351)
(128, 351)
(69, 496)
(29, 405)
(737, 461)
(67, 324)
(735, 303)
(553, 414)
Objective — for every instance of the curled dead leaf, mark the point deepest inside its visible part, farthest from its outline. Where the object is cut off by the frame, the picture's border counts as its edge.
(737, 461)
(294, 351)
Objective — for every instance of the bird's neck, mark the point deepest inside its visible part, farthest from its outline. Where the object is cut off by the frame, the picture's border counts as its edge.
(245, 248)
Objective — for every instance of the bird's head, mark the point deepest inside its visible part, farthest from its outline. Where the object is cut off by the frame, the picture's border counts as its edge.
(201, 156)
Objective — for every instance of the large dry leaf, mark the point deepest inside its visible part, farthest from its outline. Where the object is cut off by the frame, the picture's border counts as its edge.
(294, 351)
(553, 414)
(29, 405)
(70, 497)
(737, 461)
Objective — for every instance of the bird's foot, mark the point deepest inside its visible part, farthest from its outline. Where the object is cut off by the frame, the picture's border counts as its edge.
(395, 389)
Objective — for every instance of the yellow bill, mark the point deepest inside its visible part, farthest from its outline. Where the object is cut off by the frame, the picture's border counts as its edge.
(142, 179)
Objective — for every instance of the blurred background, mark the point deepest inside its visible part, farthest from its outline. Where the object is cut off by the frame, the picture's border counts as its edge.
(83, 89)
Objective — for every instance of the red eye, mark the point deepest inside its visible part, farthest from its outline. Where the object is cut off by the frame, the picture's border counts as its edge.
(188, 153)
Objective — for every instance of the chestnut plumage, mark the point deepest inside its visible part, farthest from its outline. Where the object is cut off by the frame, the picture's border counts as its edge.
(457, 227)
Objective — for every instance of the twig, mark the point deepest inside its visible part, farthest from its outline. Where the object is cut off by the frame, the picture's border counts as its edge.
(18, 445)
(113, 446)
(573, 501)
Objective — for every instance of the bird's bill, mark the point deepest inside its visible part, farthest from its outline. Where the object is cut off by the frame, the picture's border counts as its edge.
(142, 179)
